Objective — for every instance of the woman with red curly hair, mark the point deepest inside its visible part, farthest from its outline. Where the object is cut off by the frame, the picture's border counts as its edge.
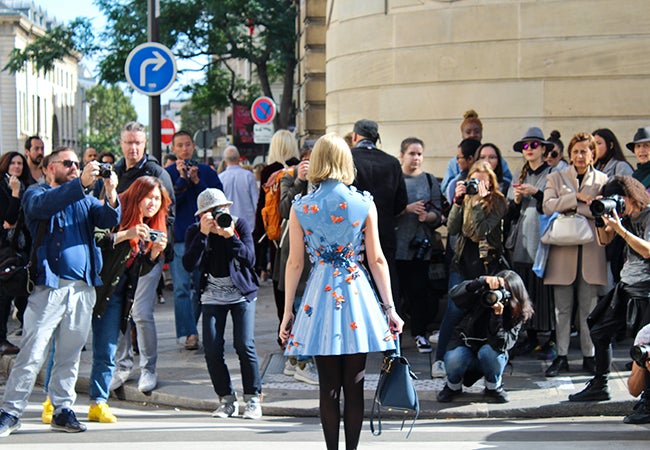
(128, 253)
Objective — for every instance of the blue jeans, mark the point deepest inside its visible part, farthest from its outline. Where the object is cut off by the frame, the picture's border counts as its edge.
(214, 324)
(452, 317)
(106, 332)
(187, 308)
(487, 361)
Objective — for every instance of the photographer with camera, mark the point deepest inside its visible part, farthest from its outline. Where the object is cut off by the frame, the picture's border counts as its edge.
(221, 247)
(639, 381)
(624, 211)
(494, 309)
(415, 239)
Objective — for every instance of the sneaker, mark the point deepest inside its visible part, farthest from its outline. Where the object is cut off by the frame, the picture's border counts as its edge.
(67, 421)
(641, 410)
(308, 374)
(48, 410)
(438, 369)
(289, 368)
(148, 381)
(192, 342)
(161, 300)
(560, 364)
(423, 344)
(120, 376)
(228, 408)
(434, 337)
(7, 348)
(100, 412)
(499, 395)
(448, 394)
(253, 409)
(595, 391)
(8, 423)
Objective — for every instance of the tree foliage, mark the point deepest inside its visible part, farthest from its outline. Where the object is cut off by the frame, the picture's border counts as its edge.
(110, 109)
(219, 30)
(193, 118)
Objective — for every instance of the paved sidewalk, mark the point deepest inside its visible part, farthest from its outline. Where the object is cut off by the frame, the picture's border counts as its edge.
(184, 381)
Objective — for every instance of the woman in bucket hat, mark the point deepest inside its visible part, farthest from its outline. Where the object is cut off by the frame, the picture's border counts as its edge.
(222, 247)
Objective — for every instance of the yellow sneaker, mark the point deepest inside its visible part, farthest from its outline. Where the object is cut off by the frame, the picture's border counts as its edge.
(48, 410)
(99, 412)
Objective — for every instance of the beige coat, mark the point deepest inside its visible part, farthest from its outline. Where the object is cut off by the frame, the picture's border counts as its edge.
(560, 196)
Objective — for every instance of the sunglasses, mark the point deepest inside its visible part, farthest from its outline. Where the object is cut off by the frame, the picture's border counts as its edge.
(67, 163)
(553, 154)
(532, 145)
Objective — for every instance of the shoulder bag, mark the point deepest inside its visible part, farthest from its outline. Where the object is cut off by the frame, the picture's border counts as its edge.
(395, 390)
(568, 229)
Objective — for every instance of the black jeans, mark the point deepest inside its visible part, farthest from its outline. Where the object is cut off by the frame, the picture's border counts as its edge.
(414, 289)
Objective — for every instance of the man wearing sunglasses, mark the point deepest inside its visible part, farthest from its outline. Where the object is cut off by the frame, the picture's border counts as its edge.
(62, 220)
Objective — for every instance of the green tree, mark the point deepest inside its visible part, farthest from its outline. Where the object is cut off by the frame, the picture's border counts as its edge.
(193, 118)
(261, 32)
(110, 109)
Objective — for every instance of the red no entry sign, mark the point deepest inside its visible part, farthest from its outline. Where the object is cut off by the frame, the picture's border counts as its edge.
(263, 110)
(167, 130)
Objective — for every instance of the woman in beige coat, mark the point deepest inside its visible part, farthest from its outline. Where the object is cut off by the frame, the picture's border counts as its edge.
(575, 271)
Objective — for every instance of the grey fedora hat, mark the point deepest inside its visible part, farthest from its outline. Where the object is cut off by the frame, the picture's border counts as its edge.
(641, 135)
(532, 134)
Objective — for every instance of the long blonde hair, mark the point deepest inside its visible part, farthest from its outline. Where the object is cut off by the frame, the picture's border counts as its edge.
(284, 146)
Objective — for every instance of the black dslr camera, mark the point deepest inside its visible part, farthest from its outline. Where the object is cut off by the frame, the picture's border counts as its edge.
(105, 170)
(640, 354)
(471, 186)
(422, 245)
(224, 220)
(605, 206)
(493, 296)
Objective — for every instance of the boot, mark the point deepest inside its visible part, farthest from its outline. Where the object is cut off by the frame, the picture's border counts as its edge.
(560, 364)
(595, 391)
(589, 364)
(641, 411)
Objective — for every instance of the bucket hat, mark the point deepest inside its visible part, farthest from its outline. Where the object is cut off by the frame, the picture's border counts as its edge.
(209, 199)
(532, 134)
(641, 135)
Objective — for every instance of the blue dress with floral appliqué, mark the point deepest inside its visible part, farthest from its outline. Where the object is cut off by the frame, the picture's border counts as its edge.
(340, 312)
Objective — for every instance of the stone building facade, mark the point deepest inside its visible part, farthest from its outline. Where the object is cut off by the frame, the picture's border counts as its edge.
(416, 66)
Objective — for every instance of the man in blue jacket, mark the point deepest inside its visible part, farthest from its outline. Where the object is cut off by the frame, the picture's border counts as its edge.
(68, 266)
(190, 178)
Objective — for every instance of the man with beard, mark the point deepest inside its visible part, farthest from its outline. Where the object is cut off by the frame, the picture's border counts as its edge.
(68, 266)
(34, 150)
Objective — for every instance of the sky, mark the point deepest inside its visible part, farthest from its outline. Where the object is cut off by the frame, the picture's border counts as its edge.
(65, 11)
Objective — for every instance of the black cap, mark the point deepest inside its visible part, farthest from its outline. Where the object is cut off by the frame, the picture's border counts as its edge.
(367, 128)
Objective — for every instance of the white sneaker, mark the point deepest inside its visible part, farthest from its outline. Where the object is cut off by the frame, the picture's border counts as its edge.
(120, 376)
(253, 409)
(434, 337)
(422, 344)
(289, 368)
(438, 369)
(148, 381)
(307, 375)
(228, 407)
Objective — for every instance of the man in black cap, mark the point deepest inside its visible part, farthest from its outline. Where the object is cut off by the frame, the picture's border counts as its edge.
(380, 174)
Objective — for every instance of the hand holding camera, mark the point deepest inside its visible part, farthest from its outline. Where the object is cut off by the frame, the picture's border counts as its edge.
(218, 221)
(496, 295)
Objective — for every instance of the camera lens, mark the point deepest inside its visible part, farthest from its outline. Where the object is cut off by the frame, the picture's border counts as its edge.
(224, 220)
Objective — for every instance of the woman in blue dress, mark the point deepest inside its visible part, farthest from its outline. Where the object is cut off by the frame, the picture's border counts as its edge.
(341, 318)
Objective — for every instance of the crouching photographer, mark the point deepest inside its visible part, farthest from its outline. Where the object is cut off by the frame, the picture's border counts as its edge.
(624, 210)
(639, 381)
(495, 308)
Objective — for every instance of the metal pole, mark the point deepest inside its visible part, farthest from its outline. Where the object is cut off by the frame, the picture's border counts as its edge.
(153, 9)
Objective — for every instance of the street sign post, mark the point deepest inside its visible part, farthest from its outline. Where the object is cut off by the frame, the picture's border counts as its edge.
(167, 130)
(263, 110)
(262, 134)
(150, 68)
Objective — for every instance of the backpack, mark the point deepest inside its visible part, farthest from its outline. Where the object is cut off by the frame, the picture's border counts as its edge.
(271, 217)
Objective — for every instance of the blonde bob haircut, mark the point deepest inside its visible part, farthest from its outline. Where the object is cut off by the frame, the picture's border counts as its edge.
(284, 146)
(331, 159)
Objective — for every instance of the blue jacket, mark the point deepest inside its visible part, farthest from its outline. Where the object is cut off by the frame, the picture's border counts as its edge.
(41, 202)
(240, 251)
(186, 194)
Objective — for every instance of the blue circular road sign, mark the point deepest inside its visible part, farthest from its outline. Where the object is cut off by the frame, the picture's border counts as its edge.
(263, 110)
(150, 68)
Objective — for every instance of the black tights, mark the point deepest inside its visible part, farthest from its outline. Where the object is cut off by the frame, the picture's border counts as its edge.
(334, 373)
